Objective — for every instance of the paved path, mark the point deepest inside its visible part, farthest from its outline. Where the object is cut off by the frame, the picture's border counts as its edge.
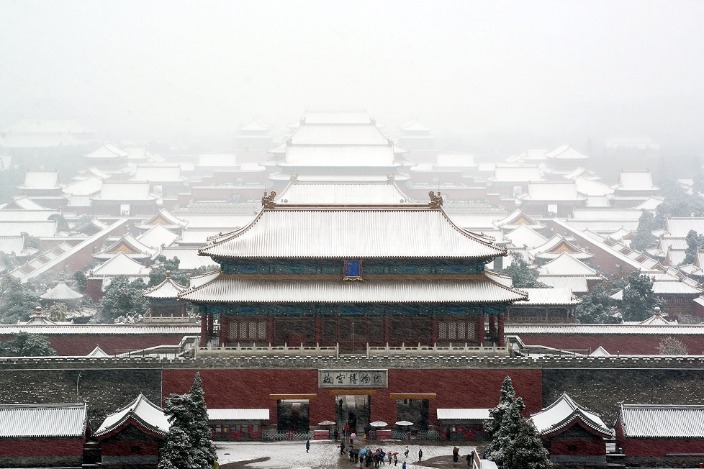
(326, 455)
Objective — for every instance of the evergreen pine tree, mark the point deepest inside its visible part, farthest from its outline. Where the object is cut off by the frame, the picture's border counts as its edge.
(639, 300)
(525, 449)
(502, 424)
(188, 444)
(200, 432)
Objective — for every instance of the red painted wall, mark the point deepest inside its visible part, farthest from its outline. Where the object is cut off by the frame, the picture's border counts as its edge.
(468, 388)
(660, 447)
(82, 344)
(41, 447)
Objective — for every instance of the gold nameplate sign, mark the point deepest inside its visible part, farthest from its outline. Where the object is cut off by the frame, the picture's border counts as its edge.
(353, 378)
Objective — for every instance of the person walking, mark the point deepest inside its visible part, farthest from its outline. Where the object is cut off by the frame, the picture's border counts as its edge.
(307, 445)
(420, 454)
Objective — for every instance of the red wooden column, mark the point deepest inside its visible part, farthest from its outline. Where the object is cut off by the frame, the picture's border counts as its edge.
(203, 330)
(318, 330)
(224, 329)
(502, 339)
(492, 325)
(480, 328)
(435, 328)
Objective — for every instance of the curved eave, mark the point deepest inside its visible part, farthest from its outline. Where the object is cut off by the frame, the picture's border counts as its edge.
(234, 289)
(576, 418)
(130, 418)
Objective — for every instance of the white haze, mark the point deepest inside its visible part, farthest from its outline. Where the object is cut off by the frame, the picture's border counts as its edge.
(531, 70)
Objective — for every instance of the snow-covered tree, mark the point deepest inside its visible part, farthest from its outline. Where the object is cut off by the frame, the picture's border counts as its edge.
(671, 346)
(521, 273)
(27, 345)
(17, 300)
(525, 449)
(515, 443)
(639, 300)
(122, 298)
(188, 444)
(644, 237)
(595, 307)
(695, 241)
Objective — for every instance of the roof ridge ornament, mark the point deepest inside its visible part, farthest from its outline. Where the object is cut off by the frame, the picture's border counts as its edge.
(435, 200)
(268, 200)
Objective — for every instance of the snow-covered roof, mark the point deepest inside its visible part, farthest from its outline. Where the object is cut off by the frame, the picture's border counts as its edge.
(89, 186)
(339, 155)
(576, 284)
(635, 180)
(120, 264)
(549, 296)
(525, 236)
(142, 412)
(662, 421)
(354, 117)
(228, 288)
(414, 126)
(556, 246)
(463, 414)
(14, 244)
(565, 412)
(167, 289)
(202, 279)
(342, 134)
(592, 188)
(158, 236)
(124, 191)
(255, 125)
(61, 292)
(606, 214)
(552, 191)
(600, 352)
(43, 420)
(237, 414)
(26, 215)
(385, 193)
(651, 204)
(517, 218)
(566, 264)
(678, 227)
(566, 152)
(453, 160)
(97, 352)
(364, 232)
(517, 173)
(188, 257)
(107, 151)
(610, 329)
(38, 229)
(127, 245)
(215, 221)
(98, 329)
(41, 180)
(21, 203)
(164, 217)
(161, 173)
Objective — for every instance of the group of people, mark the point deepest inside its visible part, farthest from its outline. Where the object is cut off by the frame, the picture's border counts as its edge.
(367, 457)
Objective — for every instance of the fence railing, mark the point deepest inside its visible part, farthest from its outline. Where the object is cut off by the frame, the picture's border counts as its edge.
(449, 349)
(269, 349)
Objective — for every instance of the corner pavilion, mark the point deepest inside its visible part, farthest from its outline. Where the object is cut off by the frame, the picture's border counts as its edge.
(352, 278)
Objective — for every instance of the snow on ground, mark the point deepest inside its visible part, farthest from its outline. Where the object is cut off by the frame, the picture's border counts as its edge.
(323, 454)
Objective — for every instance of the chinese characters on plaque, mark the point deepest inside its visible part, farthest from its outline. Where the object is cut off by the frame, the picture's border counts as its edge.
(352, 378)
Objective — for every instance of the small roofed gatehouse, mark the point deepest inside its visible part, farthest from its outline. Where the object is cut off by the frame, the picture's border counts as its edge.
(661, 435)
(132, 437)
(42, 435)
(572, 435)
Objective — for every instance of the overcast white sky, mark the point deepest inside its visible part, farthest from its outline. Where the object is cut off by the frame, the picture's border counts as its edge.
(563, 69)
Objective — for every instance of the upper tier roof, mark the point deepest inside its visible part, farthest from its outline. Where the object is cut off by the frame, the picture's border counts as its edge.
(351, 232)
(351, 193)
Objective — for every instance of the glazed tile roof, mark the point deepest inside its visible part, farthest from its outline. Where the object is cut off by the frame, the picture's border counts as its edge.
(188, 257)
(227, 289)
(120, 264)
(143, 411)
(566, 152)
(562, 413)
(42, 420)
(576, 284)
(338, 134)
(525, 236)
(98, 329)
(636, 180)
(552, 192)
(662, 421)
(41, 180)
(349, 233)
(591, 329)
(517, 173)
(107, 151)
(157, 236)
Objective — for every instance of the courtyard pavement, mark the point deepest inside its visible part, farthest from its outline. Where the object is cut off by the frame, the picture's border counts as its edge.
(325, 454)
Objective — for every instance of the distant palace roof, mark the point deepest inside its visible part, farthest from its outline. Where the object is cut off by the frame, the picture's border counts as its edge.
(350, 193)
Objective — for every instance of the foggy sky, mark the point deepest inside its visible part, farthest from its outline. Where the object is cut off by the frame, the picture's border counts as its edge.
(548, 69)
